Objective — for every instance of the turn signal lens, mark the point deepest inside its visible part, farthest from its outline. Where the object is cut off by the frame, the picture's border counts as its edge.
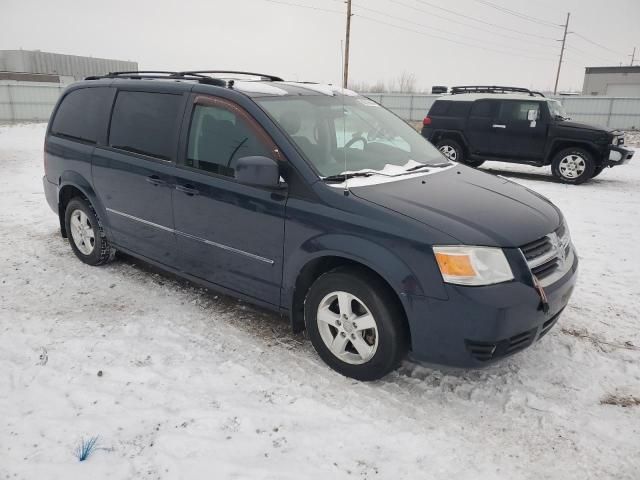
(456, 265)
(466, 265)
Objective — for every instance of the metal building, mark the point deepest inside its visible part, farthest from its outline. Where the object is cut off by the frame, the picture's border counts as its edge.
(612, 81)
(37, 66)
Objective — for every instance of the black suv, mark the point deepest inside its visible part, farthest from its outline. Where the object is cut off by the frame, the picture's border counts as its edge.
(510, 124)
(312, 201)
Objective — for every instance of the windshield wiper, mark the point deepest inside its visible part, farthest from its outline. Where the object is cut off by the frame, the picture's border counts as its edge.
(427, 167)
(342, 176)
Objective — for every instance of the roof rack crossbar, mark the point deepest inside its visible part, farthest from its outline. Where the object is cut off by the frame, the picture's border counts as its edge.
(160, 74)
(271, 78)
(492, 89)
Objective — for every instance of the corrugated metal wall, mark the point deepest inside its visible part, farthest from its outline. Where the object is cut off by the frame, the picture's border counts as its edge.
(22, 102)
(33, 61)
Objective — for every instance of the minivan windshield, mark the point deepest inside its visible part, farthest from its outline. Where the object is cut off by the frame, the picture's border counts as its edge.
(328, 128)
(557, 110)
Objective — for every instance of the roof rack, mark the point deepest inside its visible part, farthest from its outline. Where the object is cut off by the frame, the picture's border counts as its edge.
(271, 78)
(160, 74)
(492, 89)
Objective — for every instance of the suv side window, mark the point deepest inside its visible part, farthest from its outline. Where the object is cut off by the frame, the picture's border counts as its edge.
(517, 110)
(82, 115)
(483, 109)
(221, 134)
(146, 123)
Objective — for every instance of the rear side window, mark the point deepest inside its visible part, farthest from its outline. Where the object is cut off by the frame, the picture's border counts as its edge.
(482, 108)
(442, 108)
(146, 123)
(83, 114)
(439, 108)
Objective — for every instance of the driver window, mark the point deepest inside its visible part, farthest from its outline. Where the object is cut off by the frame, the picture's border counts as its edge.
(218, 137)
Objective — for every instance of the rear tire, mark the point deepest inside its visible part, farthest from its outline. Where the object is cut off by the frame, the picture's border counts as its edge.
(355, 323)
(573, 165)
(454, 152)
(85, 233)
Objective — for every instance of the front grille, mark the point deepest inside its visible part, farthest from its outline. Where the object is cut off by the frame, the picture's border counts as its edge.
(485, 351)
(547, 254)
(537, 248)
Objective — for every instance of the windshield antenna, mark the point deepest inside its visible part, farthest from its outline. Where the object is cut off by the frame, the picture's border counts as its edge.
(344, 125)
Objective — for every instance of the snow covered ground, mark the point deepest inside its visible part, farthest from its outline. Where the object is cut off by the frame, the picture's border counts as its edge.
(179, 382)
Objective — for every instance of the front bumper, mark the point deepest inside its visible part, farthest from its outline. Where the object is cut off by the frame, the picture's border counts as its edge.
(479, 325)
(618, 156)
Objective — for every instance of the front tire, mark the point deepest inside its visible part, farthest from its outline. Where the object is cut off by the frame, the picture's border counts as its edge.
(355, 324)
(573, 165)
(85, 233)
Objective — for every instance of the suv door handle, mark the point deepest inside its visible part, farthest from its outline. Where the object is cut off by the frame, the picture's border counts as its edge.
(498, 126)
(155, 180)
(188, 189)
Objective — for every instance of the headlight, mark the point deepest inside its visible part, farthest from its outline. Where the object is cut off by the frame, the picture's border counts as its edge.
(464, 265)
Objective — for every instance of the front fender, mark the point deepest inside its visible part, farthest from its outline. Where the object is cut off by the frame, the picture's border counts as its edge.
(382, 260)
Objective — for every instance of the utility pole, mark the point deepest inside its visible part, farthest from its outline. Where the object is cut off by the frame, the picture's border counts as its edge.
(345, 80)
(633, 57)
(564, 40)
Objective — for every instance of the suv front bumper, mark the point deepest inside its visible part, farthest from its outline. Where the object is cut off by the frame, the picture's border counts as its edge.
(479, 325)
(618, 156)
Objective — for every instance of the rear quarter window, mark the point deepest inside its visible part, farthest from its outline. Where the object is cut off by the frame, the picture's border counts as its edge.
(83, 114)
(146, 123)
(483, 108)
(443, 108)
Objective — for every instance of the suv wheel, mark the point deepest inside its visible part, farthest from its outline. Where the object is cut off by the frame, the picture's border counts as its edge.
(354, 324)
(573, 165)
(454, 152)
(86, 235)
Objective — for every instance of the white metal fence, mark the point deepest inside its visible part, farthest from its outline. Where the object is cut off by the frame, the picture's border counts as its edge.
(622, 113)
(19, 102)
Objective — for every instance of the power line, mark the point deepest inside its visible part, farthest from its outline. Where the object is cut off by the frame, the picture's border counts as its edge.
(494, 25)
(302, 6)
(504, 52)
(430, 27)
(596, 44)
(523, 16)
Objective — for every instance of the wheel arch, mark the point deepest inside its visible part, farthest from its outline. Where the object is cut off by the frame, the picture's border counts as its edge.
(562, 144)
(309, 270)
(71, 185)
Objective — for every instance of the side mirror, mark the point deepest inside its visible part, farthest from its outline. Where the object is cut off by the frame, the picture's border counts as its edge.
(258, 171)
(532, 115)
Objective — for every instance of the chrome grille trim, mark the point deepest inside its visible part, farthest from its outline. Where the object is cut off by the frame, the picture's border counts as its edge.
(557, 257)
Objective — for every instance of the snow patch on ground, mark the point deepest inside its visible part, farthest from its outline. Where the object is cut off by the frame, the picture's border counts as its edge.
(193, 382)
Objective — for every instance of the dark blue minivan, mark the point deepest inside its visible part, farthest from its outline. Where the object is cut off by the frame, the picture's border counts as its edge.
(312, 201)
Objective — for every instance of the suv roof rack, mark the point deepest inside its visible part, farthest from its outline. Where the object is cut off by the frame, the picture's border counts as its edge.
(271, 78)
(161, 74)
(492, 89)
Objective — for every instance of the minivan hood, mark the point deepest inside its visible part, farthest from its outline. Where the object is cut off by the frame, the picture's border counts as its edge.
(474, 207)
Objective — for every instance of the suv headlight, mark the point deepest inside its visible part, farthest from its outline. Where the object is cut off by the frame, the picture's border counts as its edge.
(465, 265)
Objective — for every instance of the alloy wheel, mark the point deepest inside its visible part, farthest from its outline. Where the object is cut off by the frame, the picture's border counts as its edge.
(82, 232)
(572, 166)
(449, 152)
(347, 327)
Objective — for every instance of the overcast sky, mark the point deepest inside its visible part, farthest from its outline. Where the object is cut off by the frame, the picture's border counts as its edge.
(440, 47)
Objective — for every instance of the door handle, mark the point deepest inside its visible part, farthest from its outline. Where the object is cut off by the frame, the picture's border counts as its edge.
(498, 126)
(155, 180)
(188, 190)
